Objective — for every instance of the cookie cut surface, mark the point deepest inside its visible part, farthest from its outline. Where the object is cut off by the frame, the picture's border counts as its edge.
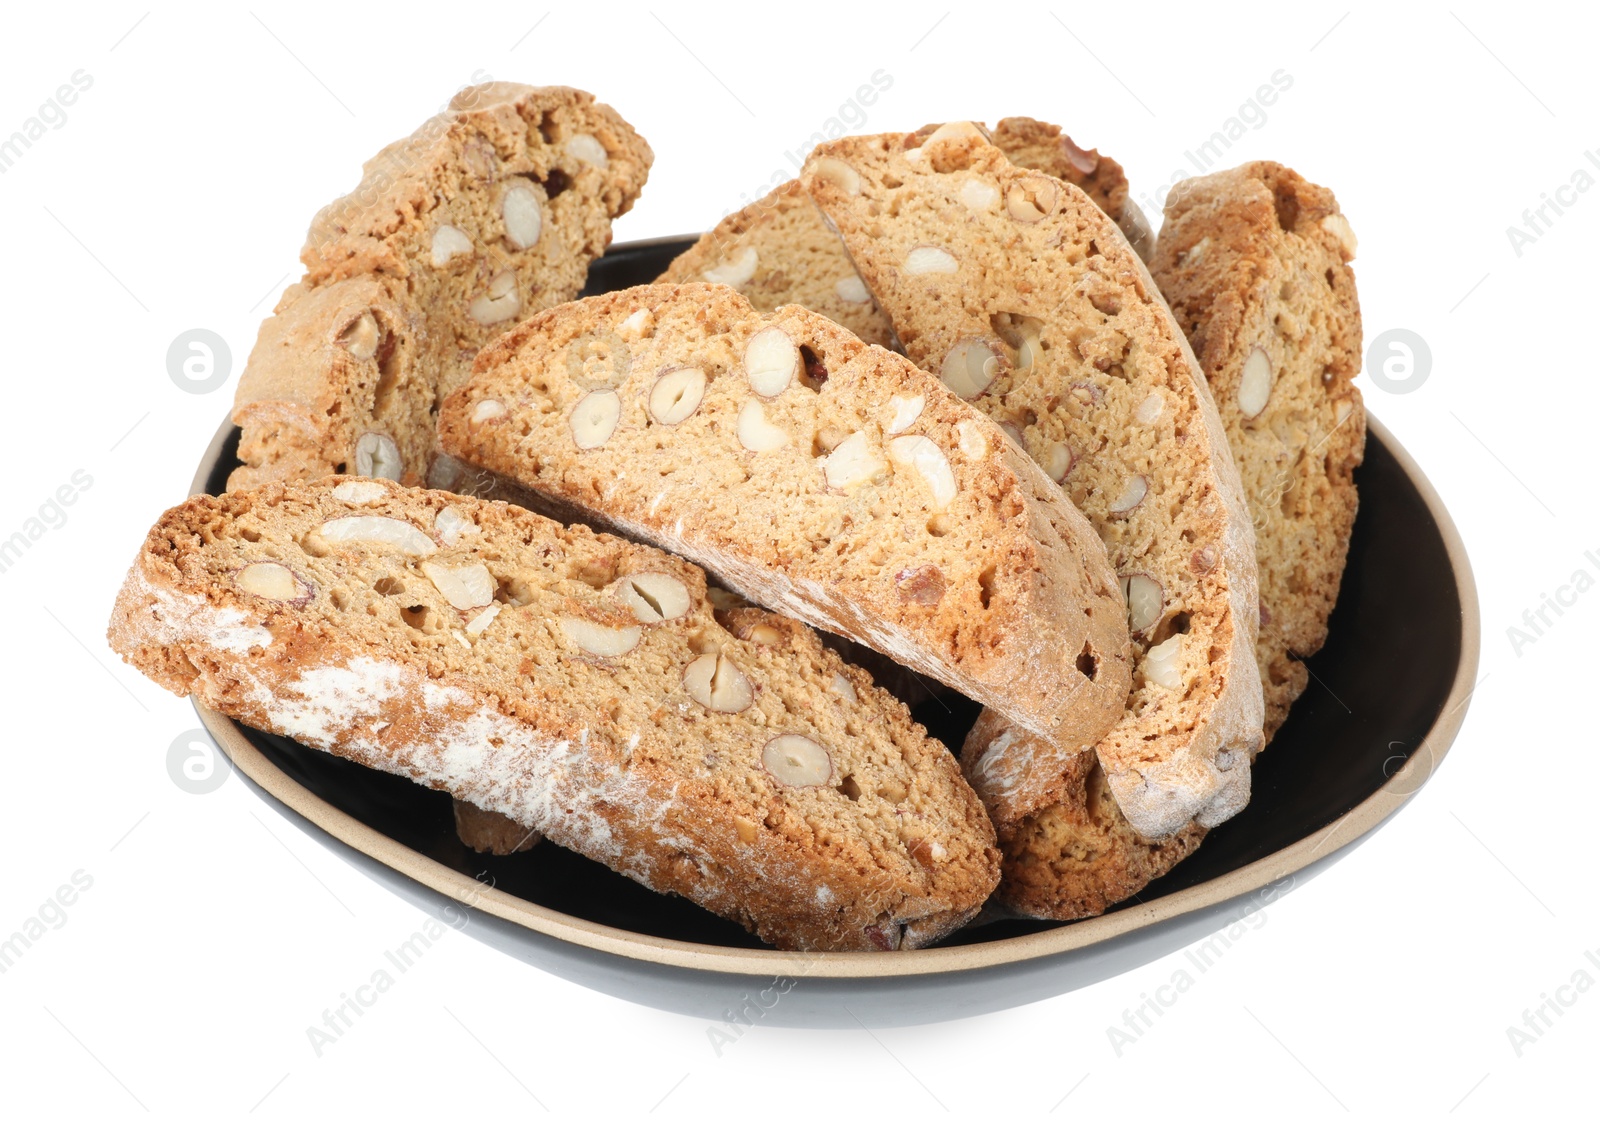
(816, 474)
(578, 684)
(1028, 302)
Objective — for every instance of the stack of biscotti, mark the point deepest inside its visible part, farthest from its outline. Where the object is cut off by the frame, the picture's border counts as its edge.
(488, 213)
(780, 251)
(1033, 307)
(573, 682)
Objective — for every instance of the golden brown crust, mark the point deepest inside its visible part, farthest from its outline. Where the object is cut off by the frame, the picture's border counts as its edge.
(358, 651)
(1257, 258)
(998, 588)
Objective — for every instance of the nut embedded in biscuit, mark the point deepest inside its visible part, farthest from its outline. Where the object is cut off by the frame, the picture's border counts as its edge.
(500, 301)
(756, 433)
(677, 394)
(929, 259)
(1145, 600)
(523, 218)
(917, 452)
(771, 361)
(464, 586)
(654, 597)
(796, 760)
(597, 639)
(852, 464)
(360, 337)
(594, 419)
(385, 530)
(1131, 496)
(717, 684)
(273, 581)
(448, 242)
(1255, 383)
(970, 366)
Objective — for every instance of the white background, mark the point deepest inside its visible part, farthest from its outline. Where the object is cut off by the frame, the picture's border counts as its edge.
(176, 195)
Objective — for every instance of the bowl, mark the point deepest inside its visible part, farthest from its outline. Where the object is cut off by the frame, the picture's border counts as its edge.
(1387, 695)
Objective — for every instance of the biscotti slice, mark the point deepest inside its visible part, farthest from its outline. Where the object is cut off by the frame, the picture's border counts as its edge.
(1255, 265)
(337, 382)
(1027, 300)
(576, 683)
(813, 473)
(488, 213)
(779, 250)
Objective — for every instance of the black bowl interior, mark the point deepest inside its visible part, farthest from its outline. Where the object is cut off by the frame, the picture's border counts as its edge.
(1377, 687)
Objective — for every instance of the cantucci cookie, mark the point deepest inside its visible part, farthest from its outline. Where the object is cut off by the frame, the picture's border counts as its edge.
(1026, 299)
(337, 383)
(779, 251)
(1254, 263)
(486, 214)
(816, 474)
(576, 683)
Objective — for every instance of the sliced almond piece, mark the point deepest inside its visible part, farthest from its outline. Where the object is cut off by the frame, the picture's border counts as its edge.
(594, 418)
(378, 456)
(597, 639)
(464, 585)
(929, 460)
(1145, 601)
(715, 682)
(979, 194)
(852, 463)
(634, 327)
(903, 412)
(1030, 198)
(588, 148)
(1338, 226)
(970, 366)
(359, 492)
(1163, 664)
(852, 290)
(1255, 383)
(843, 688)
(837, 173)
(734, 271)
(499, 302)
(523, 216)
(1133, 494)
(756, 433)
(384, 530)
(450, 525)
(797, 760)
(973, 442)
(483, 620)
(273, 581)
(360, 337)
(1149, 410)
(653, 597)
(930, 259)
(448, 242)
(771, 361)
(486, 410)
(676, 394)
(1056, 461)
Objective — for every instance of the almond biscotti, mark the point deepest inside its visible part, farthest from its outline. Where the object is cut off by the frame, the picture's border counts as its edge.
(1255, 265)
(816, 474)
(488, 213)
(577, 683)
(779, 250)
(1028, 302)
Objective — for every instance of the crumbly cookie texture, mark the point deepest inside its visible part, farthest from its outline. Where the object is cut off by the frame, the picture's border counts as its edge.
(488, 213)
(816, 474)
(576, 683)
(491, 832)
(1255, 265)
(1026, 299)
(780, 251)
